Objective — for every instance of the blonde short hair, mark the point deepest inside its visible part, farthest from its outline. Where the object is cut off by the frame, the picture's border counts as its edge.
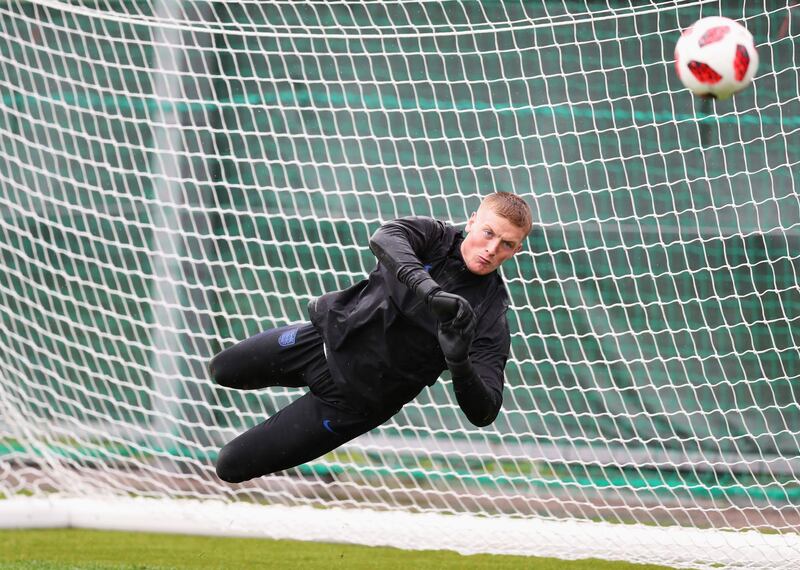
(511, 207)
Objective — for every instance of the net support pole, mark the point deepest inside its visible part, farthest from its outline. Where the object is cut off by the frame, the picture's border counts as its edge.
(181, 76)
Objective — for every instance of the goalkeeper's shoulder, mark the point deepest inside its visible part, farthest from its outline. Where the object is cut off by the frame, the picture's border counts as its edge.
(424, 224)
(425, 235)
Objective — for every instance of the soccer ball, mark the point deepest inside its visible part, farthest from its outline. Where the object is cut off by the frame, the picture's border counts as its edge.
(716, 57)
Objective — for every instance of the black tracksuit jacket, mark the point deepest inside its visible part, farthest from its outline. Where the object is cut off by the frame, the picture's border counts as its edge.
(380, 337)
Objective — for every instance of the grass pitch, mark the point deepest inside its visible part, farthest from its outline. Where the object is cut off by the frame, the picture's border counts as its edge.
(69, 549)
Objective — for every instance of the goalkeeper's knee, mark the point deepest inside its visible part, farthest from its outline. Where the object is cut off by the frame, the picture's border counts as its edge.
(229, 467)
(220, 373)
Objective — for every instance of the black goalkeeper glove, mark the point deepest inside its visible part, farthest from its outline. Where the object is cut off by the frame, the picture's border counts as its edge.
(455, 336)
(451, 310)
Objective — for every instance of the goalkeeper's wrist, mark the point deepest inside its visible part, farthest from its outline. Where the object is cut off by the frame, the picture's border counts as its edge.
(460, 369)
(426, 289)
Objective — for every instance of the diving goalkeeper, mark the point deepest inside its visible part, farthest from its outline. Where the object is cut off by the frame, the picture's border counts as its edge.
(434, 301)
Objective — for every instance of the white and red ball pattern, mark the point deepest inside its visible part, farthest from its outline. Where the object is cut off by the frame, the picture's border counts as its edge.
(716, 57)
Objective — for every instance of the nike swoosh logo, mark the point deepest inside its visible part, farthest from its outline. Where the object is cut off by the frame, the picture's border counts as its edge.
(327, 425)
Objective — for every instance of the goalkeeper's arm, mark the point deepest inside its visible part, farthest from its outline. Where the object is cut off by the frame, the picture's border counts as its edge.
(477, 377)
(395, 245)
(479, 394)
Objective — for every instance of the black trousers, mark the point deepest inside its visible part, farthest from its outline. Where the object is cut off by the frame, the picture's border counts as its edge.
(319, 421)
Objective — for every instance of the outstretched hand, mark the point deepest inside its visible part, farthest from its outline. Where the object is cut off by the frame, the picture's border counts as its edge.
(451, 310)
(456, 327)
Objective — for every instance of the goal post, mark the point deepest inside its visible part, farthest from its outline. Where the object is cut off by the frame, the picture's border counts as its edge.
(175, 177)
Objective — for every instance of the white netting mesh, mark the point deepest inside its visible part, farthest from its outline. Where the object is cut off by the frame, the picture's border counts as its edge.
(175, 177)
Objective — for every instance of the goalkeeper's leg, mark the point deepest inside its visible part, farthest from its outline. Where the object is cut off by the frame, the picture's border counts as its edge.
(309, 427)
(276, 357)
(314, 424)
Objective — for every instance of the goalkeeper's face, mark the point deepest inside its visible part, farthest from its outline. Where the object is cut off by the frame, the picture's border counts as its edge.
(491, 240)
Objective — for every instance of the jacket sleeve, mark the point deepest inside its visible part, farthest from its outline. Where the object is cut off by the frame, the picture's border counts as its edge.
(399, 244)
(478, 381)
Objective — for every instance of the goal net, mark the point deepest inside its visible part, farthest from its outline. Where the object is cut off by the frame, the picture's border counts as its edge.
(177, 176)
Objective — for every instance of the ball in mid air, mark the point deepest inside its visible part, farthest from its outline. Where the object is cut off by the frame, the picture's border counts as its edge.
(716, 57)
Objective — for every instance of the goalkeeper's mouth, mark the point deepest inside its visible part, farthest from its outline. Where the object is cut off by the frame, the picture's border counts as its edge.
(481, 266)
